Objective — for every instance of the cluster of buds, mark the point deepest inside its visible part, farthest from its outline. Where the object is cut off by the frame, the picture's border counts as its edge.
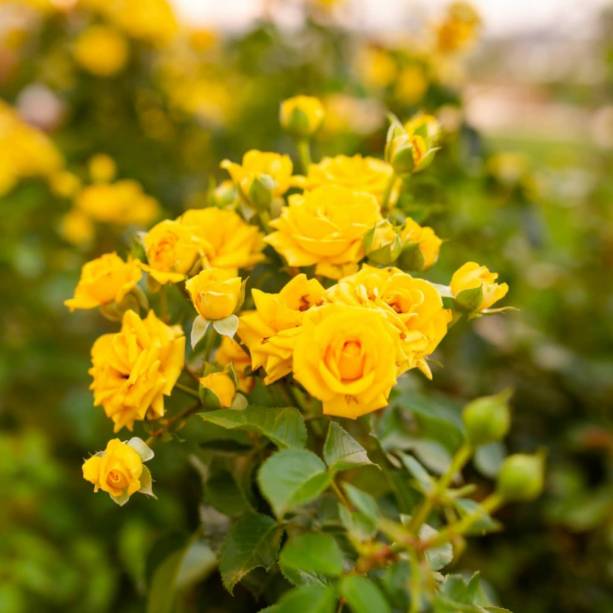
(411, 147)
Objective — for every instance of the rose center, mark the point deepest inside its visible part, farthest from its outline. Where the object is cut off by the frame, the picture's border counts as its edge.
(351, 361)
(116, 479)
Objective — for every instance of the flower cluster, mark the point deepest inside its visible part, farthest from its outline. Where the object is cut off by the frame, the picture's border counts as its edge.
(351, 319)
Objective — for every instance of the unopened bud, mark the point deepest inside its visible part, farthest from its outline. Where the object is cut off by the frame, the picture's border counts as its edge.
(521, 477)
(487, 419)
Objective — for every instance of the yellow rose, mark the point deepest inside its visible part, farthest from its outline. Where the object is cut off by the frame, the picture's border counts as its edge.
(101, 50)
(222, 385)
(104, 280)
(269, 331)
(123, 202)
(172, 250)
(413, 306)
(346, 357)
(135, 368)
(301, 115)
(473, 276)
(227, 241)
(325, 227)
(101, 168)
(257, 163)
(230, 353)
(215, 293)
(119, 470)
(425, 239)
(459, 28)
(365, 174)
(64, 184)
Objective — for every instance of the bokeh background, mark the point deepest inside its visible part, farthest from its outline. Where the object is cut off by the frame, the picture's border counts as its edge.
(523, 184)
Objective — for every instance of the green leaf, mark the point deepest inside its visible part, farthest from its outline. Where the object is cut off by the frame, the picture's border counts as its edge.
(223, 493)
(363, 502)
(362, 595)
(357, 524)
(489, 458)
(483, 525)
(250, 543)
(177, 572)
(342, 451)
(440, 556)
(313, 552)
(283, 426)
(423, 480)
(291, 478)
(306, 599)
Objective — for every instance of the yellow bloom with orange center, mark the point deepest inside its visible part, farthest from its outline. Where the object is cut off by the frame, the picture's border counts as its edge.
(324, 227)
(215, 293)
(135, 368)
(301, 115)
(270, 330)
(119, 469)
(230, 353)
(473, 276)
(104, 280)
(226, 240)
(412, 306)
(222, 385)
(122, 202)
(101, 50)
(172, 250)
(346, 357)
(365, 174)
(255, 164)
(426, 240)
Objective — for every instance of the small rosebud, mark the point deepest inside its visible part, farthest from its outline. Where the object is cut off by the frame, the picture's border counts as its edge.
(382, 244)
(261, 191)
(487, 419)
(301, 115)
(521, 477)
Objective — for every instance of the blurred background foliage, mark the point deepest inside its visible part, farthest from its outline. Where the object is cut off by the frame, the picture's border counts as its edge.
(166, 103)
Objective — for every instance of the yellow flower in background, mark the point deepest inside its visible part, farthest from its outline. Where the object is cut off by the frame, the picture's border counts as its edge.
(351, 114)
(230, 353)
(222, 385)
(104, 280)
(376, 67)
(324, 227)
(101, 168)
(425, 239)
(411, 84)
(172, 250)
(24, 151)
(346, 357)
(257, 163)
(458, 29)
(77, 228)
(226, 240)
(64, 184)
(122, 203)
(301, 115)
(135, 368)
(366, 174)
(101, 50)
(412, 306)
(215, 293)
(270, 330)
(473, 276)
(150, 20)
(119, 470)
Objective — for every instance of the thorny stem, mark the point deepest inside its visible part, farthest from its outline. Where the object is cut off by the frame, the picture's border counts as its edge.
(173, 420)
(490, 504)
(460, 458)
(339, 493)
(414, 583)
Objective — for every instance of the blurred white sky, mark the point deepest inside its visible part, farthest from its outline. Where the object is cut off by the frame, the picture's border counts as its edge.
(574, 18)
